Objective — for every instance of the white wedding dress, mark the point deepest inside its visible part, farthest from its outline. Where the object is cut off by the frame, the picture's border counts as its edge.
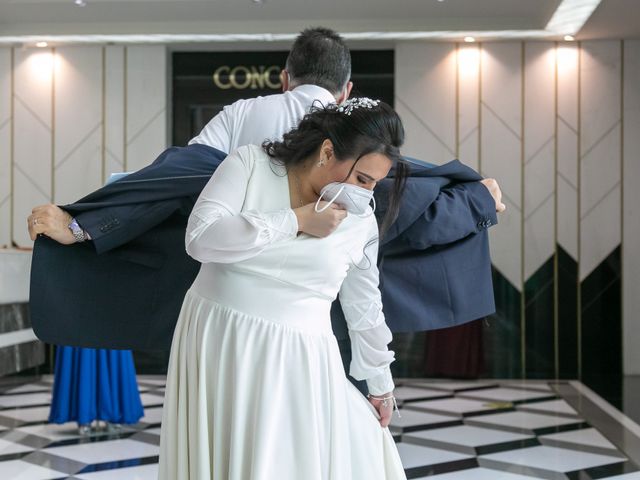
(256, 389)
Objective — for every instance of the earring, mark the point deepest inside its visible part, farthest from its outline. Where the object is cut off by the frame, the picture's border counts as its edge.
(321, 163)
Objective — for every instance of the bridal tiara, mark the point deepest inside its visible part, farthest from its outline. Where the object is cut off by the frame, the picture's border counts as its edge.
(357, 102)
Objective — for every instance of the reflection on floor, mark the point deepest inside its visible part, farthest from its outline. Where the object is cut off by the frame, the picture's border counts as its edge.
(449, 430)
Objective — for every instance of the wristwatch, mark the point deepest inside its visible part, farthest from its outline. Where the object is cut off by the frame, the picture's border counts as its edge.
(77, 231)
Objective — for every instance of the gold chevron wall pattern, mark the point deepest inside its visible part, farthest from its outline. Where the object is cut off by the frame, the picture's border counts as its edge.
(556, 123)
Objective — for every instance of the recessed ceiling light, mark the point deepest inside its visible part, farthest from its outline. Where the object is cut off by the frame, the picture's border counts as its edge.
(569, 38)
(41, 44)
(80, 3)
(469, 39)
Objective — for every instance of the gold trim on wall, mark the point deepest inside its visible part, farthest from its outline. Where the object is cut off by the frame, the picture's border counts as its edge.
(12, 148)
(556, 276)
(103, 150)
(53, 125)
(480, 54)
(622, 203)
(579, 206)
(457, 56)
(523, 317)
(124, 110)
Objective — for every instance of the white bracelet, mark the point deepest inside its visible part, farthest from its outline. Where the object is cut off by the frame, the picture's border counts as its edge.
(385, 401)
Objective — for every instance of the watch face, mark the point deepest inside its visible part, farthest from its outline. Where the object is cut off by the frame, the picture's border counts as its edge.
(77, 232)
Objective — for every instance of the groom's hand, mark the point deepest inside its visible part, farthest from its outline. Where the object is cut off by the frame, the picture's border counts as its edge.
(496, 193)
(52, 221)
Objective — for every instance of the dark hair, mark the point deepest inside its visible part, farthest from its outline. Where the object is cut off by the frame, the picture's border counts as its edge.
(365, 130)
(319, 57)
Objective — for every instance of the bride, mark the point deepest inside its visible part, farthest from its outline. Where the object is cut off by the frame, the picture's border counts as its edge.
(256, 389)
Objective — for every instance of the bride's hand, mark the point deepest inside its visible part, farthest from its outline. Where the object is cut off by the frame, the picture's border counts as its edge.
(384, 412)
(319, 224)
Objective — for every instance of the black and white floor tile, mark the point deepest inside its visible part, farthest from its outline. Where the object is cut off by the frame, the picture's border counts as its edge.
(485, 430)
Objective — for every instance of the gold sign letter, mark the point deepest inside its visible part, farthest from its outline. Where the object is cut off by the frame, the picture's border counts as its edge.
(254, 77)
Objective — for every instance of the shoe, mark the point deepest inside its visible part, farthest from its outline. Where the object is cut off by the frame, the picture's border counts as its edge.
(114, 427)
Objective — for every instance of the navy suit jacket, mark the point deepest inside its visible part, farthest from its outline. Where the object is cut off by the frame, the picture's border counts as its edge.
(435, 266)
(124, 289)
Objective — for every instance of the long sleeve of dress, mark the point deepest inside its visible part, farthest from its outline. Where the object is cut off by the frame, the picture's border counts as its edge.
(218, 231)
(361, 303)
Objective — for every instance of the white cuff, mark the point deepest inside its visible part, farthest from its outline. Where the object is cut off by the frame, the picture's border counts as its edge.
(283, 224)
(382, 383)
(276, 225)
(293, 222)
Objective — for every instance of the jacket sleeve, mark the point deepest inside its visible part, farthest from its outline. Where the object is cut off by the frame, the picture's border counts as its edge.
(119, 212)
(361, 303)
(458, 211)
(113, 226)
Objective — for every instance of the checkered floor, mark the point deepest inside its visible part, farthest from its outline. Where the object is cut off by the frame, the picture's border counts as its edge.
(449, 430)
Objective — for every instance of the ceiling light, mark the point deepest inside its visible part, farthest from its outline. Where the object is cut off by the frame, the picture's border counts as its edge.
(41, 44)
(469, 39)
(80, 3)
(569, 38)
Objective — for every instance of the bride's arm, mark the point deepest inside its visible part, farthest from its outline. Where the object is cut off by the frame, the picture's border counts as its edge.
(362, 306)
(218, 231)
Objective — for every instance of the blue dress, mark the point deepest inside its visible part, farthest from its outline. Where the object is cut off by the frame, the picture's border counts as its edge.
(95, 384)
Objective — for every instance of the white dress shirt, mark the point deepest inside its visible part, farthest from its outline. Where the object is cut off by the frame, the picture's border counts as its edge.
(254, 120)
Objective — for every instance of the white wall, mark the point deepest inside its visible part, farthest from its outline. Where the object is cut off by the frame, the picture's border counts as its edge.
(69, 117)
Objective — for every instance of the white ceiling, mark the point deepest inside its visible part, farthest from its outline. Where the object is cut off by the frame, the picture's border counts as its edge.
(459, 14)
(612, 19)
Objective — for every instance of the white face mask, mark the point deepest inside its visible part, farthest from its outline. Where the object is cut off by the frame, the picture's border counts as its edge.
(352, 198)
